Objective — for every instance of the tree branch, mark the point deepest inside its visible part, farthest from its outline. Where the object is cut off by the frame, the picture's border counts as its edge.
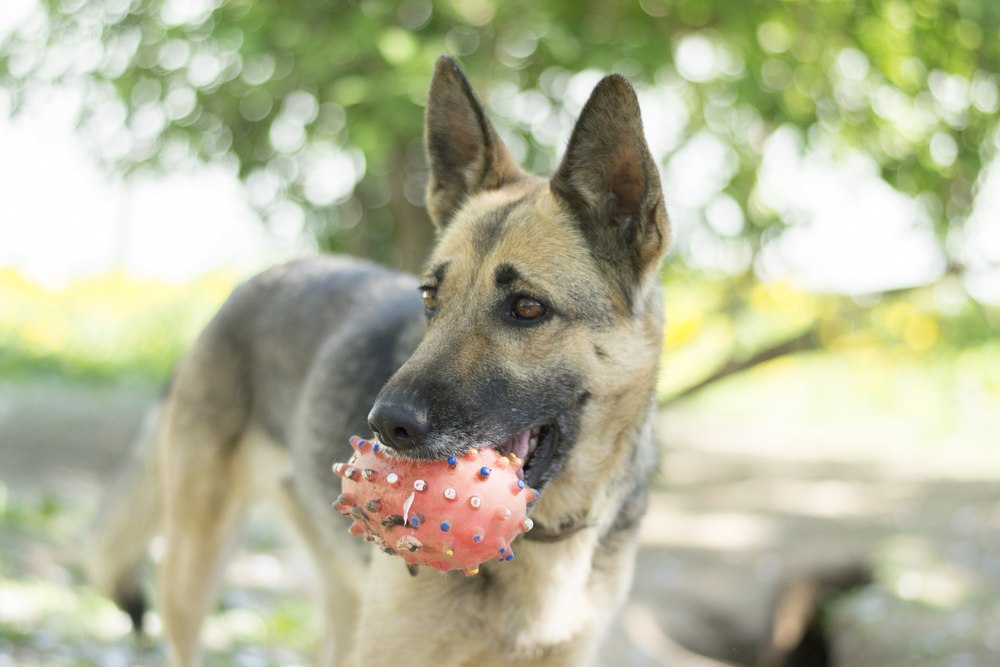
(808, 340)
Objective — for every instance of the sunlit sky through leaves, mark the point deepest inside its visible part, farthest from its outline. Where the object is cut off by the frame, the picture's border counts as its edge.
(63, 216)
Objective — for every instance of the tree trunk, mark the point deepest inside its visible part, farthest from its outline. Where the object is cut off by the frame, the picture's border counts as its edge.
(413, 231)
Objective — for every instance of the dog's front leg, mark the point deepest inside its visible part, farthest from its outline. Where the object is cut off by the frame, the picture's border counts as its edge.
(418, 621)
(202, 519)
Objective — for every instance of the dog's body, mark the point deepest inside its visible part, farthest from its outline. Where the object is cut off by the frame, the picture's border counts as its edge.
(541, 320)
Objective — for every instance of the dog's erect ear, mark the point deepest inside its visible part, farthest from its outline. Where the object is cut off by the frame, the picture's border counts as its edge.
(611, 184)
(463, 150)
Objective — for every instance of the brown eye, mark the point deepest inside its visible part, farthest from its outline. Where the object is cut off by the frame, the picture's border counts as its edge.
(526, 308)
(430, 297)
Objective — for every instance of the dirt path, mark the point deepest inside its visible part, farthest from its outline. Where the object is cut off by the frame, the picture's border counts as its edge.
(727, 528)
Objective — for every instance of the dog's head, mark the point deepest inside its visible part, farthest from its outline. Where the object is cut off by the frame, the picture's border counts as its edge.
(543, 317)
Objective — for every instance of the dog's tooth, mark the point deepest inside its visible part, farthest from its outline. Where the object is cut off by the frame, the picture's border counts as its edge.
(528, 524)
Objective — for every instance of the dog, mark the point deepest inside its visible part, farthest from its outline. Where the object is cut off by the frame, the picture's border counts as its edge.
(538, 324)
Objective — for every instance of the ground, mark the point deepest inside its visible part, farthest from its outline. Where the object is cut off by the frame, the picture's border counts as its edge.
(741, 508)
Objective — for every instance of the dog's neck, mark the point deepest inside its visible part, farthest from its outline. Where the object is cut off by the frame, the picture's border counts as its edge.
(564, 529)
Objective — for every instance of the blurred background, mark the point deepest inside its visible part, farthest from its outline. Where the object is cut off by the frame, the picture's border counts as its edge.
(830, 394)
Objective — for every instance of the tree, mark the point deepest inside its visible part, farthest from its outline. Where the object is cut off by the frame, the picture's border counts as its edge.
(317, 103)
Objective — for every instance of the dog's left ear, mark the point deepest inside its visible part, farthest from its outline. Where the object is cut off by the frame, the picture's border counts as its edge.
(611, 184)
(464, 152)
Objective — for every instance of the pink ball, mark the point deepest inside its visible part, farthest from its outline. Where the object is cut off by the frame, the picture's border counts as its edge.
(448, 515)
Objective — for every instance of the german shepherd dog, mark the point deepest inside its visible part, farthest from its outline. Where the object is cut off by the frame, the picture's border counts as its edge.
(539, 328)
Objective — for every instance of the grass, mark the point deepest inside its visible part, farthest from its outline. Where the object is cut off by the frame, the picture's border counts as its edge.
(935, 416)
(49, 615)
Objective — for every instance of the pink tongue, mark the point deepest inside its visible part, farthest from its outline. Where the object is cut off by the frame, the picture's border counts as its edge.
(520, 446)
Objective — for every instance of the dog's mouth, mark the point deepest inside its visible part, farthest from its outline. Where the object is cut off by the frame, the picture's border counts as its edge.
(536, 448)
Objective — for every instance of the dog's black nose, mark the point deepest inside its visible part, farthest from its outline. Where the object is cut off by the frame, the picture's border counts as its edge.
(401, 427)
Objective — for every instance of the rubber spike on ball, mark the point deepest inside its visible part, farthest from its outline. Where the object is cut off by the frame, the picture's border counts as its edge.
(450, 514)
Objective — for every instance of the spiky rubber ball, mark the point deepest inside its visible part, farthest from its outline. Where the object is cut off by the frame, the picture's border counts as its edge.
(452, 514)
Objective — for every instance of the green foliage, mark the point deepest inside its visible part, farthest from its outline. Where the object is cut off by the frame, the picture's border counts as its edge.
(280, 88)
(718, 326)
(102, 328)
(51, 616)
(317, 105)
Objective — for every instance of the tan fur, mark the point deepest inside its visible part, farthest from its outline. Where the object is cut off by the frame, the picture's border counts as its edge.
(260, 403)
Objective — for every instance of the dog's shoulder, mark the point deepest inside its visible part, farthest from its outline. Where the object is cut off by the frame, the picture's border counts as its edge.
(323, 274)
(321, 284)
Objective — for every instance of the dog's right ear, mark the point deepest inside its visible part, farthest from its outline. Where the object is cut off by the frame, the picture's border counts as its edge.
(610, 181)
(464, 152)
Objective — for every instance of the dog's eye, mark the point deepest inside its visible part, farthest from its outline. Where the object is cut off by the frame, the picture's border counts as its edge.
(527, 308)
(430, 297)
